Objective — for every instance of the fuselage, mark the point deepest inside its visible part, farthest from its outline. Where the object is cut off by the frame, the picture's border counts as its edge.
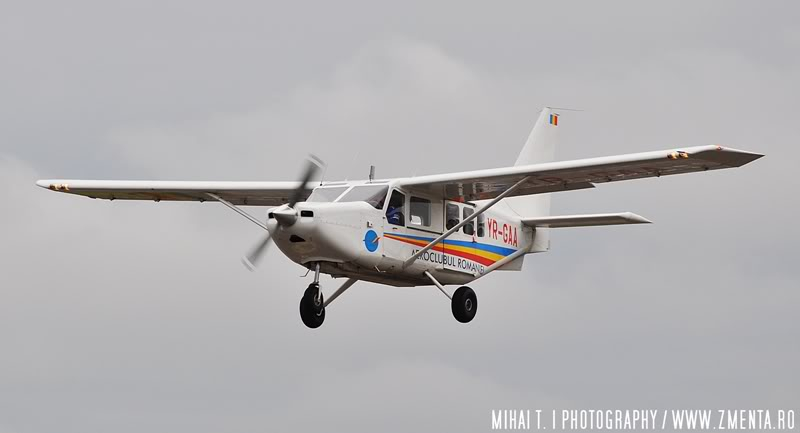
(367, 230)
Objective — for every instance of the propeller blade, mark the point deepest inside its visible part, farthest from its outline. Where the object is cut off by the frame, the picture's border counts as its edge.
(313, 165)
(251, 259)
(256, 252)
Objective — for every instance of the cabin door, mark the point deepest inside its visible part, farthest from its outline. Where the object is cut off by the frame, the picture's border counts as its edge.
(461, 245)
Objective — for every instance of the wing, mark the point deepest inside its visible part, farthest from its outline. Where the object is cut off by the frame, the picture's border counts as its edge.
(577, 174)
(239, 193)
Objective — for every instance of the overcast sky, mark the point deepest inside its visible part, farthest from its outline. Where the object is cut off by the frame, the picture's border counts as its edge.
(132, 317)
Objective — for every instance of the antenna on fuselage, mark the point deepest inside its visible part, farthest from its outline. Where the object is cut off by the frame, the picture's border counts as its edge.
(322, 178)
(371, 173)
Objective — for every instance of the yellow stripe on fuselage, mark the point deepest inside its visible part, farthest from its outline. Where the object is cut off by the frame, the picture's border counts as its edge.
(475, 251)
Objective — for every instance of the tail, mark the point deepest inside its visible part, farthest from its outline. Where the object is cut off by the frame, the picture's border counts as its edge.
(540, 148)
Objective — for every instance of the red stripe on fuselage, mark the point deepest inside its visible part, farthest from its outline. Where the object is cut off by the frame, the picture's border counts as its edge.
(442, 248)
(469, 256)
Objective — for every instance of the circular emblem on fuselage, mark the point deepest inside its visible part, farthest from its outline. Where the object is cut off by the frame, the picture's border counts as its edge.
(371, 240)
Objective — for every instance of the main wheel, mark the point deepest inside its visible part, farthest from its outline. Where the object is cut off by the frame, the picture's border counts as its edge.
(312, 311)
(465, 304)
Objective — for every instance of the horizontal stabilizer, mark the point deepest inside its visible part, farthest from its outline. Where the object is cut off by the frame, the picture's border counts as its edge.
(606, 219)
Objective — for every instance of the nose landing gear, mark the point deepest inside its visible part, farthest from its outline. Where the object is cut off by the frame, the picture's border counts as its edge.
(312, 304)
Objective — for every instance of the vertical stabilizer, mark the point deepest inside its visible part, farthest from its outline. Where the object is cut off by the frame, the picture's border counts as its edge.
(539, 148)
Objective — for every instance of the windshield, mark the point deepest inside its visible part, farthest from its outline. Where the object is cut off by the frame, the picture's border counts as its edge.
(372, 194)
(326, 194)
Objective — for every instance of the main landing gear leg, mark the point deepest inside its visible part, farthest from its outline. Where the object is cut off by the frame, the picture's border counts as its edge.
(464, 303)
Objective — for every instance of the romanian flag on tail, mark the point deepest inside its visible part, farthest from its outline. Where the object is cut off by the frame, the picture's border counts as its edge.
(554, 119)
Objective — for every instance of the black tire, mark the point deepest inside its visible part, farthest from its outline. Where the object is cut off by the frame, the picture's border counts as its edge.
(310, 294)
(464, 304)
(311, 312)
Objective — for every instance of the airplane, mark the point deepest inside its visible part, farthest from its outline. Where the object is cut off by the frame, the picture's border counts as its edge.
(432, 230)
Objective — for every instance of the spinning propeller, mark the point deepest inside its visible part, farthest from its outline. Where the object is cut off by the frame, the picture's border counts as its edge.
(285, 215)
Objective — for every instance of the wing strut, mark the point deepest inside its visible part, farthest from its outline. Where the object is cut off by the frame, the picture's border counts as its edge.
(466, 220)
(237, 210)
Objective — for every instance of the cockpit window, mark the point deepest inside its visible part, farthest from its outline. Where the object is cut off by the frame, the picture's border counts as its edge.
(326, 194)
(375, 195)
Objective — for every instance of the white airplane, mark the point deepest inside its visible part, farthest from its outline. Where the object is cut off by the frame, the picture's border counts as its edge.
(444, 229)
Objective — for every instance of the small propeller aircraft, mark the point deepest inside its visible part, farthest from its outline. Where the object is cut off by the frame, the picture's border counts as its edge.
(444, 229)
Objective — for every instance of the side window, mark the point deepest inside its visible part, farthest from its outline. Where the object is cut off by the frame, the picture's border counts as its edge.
(420, 212)
(469, 228)
(451, 216)
(395, 213)
(481, 225)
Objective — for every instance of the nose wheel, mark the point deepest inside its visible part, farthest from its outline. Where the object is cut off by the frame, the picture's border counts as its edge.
(312, 307)
(464, 304)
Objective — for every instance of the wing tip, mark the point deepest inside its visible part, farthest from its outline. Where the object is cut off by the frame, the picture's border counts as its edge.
(636, 218)
(736, 157)
(54, 185)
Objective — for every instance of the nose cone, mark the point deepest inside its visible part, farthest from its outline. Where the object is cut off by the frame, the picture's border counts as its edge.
(286, 216)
